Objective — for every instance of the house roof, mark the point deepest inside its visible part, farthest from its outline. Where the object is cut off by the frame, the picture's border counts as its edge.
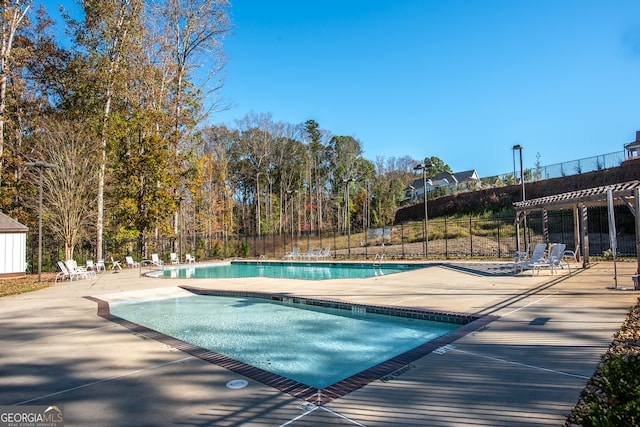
(634, 144)
(447, 177)
(450, 177)
(466, 175)
(9, 225)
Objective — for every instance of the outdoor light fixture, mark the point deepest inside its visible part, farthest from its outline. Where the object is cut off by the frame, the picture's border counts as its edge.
(524, 224)
(347, 181)
(292, 194)
(40, 165)
(424, 167)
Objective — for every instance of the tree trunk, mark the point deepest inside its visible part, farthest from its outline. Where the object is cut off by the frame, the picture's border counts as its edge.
(101, 175)
(9, 28)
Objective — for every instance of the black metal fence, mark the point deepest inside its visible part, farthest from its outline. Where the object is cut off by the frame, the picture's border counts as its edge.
(464, 237)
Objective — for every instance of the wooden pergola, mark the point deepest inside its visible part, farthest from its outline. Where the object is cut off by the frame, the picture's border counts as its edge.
(625, 192)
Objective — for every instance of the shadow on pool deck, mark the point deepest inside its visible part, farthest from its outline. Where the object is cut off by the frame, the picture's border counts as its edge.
(488, 269)
(526, 368)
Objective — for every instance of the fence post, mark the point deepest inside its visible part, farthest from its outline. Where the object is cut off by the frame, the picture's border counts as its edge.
(470, 235)
(446, 239)
(499, 246)
(366, 242)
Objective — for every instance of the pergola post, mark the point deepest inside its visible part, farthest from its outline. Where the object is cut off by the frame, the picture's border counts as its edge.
(637, 215)
(517, 231)
(545, 226)
(584, 235)
(576, 231)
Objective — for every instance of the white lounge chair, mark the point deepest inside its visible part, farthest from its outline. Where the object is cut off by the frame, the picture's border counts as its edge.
(189, 258)
(63, 273)
(316, 254)
(115, 265)
(309, 254)
(174, 258)
(537, 256)
(131, 263)
(325, 253)
(554, 260)
(295, 253)
(155, 260)
(76, 271)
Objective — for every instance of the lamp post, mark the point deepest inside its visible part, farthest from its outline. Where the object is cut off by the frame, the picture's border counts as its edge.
(40, 165)
(347, 181)
(524, 223)
(424, 167)
(291, 194)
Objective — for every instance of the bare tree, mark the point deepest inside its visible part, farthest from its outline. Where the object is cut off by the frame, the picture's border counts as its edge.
(255, 144)
(70, 187)
(190, 34)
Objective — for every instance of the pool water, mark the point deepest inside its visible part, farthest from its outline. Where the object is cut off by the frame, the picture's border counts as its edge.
(316, 346)
(290, 270)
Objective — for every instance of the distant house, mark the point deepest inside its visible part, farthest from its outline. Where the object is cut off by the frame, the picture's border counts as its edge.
(13, 247)
(449, 182)
(632, 149)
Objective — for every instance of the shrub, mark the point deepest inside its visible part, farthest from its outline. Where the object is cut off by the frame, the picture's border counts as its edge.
(613, 398)
(244, 248)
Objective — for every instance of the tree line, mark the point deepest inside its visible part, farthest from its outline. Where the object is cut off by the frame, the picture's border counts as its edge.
(121, 107)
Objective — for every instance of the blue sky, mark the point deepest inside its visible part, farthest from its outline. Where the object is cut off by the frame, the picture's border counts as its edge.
(460, 80)
(463, 80)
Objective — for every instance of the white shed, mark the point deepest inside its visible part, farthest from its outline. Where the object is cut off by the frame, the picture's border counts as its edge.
(13, 247)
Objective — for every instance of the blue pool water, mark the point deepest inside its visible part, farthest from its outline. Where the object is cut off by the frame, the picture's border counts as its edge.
(290, 270)
(316, 346)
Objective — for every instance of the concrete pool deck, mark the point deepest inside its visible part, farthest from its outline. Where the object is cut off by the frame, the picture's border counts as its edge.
(528, 367)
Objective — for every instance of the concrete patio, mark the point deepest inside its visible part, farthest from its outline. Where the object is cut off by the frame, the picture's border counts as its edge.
(527, 368)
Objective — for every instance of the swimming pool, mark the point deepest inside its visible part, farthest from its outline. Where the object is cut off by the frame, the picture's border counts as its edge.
(316, 346)
(289, 270)
(316, 350)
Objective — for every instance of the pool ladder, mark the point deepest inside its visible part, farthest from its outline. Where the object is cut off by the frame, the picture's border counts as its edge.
(377, 261)
(358, 311)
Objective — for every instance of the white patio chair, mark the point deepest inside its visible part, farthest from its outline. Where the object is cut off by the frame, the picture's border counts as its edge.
(316, 254)
(309, 254)
(295, 253)
(537, 256)
(553, 261)
(76, 271)
(63, 273)
(131, 263)
(155, 260)
(325, 253)
(188, 258)
(173, 258)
